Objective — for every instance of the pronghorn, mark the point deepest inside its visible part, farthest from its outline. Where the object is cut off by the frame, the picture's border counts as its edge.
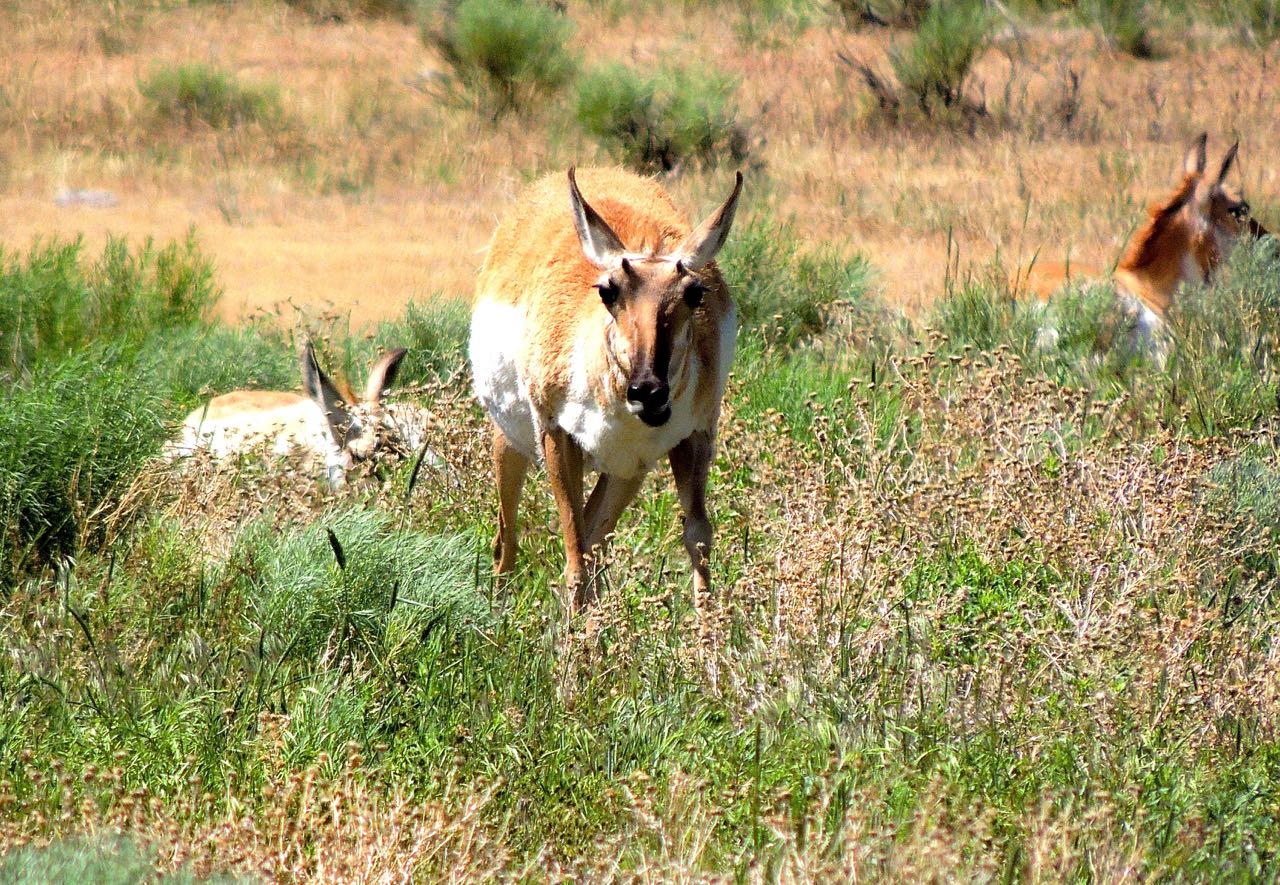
(323, 423)
(601, 337)
(1184, 240)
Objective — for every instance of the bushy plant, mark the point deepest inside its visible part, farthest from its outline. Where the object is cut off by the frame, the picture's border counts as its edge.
(1224, 364)
(71, 437)
(659, 121)
(883, 13)
(436, 334)
(345, 10)
(786, 294)
(341, 583)
(197, 93)
(104, 861)
(933, 67)
(1257, 20)
(52, 302)
(506, 51)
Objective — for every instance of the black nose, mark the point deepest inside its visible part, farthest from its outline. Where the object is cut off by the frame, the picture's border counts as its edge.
(649, 395)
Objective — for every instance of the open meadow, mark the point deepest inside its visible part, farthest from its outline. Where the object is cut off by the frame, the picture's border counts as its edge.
(986, 606)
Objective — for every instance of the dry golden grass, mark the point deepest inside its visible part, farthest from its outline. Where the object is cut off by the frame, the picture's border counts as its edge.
(379, 191)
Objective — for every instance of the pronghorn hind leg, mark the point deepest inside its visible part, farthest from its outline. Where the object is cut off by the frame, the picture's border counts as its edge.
(690, 464)
(563, 460)
(510, 468)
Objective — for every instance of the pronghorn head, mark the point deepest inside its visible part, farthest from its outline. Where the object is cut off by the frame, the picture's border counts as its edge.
(650, 299)
(1212, 207)
(361, 426)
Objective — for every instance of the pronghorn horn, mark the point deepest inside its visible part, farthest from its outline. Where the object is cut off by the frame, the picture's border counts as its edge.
(599, 243)
(701, 246)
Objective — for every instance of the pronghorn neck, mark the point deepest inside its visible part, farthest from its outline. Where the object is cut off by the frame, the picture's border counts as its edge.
(1174, 247)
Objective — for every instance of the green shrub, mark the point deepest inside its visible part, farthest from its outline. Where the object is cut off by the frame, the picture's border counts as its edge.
(105, 861)
(883, 13)
(506, 51)
(1224, 364)
(786, 295)
(1257, 20)
(386, 582)
(196, 93)
(51, 303)
(1124, 25)
(933, 67)
(436, 335)
(70, 440)
(659, 121)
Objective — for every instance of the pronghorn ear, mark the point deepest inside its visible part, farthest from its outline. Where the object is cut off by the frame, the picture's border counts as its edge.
(1227, 162)
(324, 392)
(599, 243)
(1196, 158)
(383, 374)
(701, 246)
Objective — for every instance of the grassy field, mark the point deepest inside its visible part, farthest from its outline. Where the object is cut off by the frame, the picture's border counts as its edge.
(984, 611)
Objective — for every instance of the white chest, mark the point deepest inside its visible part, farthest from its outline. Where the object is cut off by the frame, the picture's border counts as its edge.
(613, 439)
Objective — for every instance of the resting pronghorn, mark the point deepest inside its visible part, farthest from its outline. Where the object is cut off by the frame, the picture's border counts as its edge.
(1184, 240)
(325, 423)
(601, 337)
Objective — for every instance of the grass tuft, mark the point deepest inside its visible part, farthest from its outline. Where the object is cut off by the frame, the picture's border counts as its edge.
(506, 51)
(195, 93)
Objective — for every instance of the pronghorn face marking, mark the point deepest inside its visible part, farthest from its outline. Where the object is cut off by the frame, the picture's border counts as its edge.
(650, 300)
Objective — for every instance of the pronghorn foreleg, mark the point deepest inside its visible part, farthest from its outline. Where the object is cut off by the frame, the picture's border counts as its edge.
(510, 468)
(563, 460)
(690, 464)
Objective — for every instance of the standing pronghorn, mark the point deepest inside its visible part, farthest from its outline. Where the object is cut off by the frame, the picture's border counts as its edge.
(601, 337)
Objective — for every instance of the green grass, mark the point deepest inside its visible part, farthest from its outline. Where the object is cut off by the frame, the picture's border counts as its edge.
(973, 618)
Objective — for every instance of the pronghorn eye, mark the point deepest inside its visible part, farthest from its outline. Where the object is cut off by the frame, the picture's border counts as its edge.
(694, 293)
(1240, 211)
(608, 292)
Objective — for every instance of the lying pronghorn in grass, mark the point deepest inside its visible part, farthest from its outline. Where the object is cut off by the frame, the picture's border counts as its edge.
(1184, 240)
(324, 423)
(601, 337)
